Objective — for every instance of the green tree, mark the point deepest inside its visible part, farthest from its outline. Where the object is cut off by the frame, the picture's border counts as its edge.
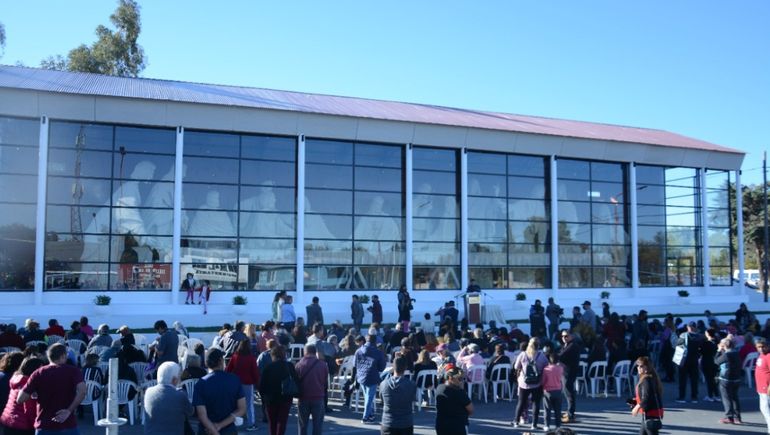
(753, 224)
(2, 39)
(114, 53)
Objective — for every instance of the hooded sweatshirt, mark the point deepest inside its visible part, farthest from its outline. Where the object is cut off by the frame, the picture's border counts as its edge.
(16, 416)
(398, 393)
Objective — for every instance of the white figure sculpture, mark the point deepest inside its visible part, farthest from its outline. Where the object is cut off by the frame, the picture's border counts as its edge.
(212, 222)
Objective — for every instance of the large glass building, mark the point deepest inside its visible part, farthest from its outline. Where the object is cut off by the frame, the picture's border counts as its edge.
(123, 186)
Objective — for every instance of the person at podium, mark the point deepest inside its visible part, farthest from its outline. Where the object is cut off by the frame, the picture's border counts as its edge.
(473, 287)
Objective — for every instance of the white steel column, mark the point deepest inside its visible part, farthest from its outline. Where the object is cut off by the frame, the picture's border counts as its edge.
(739, 224)
(464, 219)
(176, 250)
(42, 172)
(300, 248)
(409, 236)
(634, 229)
(554, 226)
(705, 229)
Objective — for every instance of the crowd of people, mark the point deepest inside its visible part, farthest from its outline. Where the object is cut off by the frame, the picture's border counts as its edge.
(42, 384)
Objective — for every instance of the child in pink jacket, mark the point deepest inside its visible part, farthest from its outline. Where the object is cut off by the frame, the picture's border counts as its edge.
(552, 374)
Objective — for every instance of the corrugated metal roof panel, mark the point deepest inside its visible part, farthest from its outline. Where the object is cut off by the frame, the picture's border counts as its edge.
(164, 90)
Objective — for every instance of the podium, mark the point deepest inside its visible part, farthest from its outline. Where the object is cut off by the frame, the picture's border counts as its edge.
(472, 307)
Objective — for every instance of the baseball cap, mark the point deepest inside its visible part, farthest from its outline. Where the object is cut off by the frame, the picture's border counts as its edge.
(586, 302)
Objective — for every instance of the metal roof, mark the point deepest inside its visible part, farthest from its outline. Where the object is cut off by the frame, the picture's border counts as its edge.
(166, 90)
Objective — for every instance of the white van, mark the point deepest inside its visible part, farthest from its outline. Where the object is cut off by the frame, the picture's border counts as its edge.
(752, 277)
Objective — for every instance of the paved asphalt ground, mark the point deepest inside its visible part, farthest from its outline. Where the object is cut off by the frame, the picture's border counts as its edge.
(595, 416)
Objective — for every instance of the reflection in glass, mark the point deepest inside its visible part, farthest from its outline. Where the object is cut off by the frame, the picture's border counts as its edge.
(258, 199)
(380, 179)
(269, 148)
(442, 230)
(686, 177)
(194, 196)
(529, 277)
(483, 254)
(328, 251)
(489, 277)
(486, 208)
(439, 278)
(146, 140)
(379, 253)
(378, 228)
(328, 151)
(486, 231)
(227, 276)
(18, 188)
(75, 276)
(391, 203)
(328, 177)
(211, 170)
(267, 225)
(60, 191)
(575, 277)
(205, 250)
(436, 253)
(488, 185)
(487, 163)
(328, 227)
(210, 144)
(329, 201)
(66, 134)
(435, 182)
(130, 248)
(527, 165)
(273, 251)
(18, 160)
(17, 246)
(386, 156)
(528, 255)
(260, 173)
(651, 215)
(140, 276)
(265, 277)
(435, 159)
(573, 169)
(526, 187)
(437, 206)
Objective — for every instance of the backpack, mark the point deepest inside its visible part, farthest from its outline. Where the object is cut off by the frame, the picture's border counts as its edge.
(531, 374)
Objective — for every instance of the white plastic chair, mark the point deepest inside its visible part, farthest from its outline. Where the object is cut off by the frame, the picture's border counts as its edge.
(192, 342)
(499, 377)
(749, 365)
(37, 343)
(9, 349)
(475, 376)
(622, 375)
(124, 387)
(79, 346)
(581, 378)
(53, 339)
(139, 368)
(189, 387)
(597, 375)
(92, 390)
(97, 349)
(296, 351)
(426, 386)
(342, 376)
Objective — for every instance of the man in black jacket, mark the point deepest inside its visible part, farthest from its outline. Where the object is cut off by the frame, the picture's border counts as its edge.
(693, 341)
(570, 357)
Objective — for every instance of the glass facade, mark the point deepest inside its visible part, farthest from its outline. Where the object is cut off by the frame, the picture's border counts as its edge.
(238, 210)
(669, 222)
(18, 199)
(718, 212)
(354, 215)
(435, 218)
(594, 242)
(509, 225)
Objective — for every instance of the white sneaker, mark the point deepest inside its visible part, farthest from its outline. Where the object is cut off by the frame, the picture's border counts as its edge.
(546, 428)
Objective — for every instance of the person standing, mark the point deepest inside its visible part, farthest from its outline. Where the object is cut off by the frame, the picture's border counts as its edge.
(570, 357)
(165, 407)
(189, 285)
(729, 365)
(314, 313)
(233, 339)
(19, 419)
(588, 317)
(553, 313)
(204, 295)
(398, 393)
(688, 369)
(370, 361)
(313, 374)
(708, 365)
(529, 364)
(218, 397)
(357, 313)
(168, 342)
(404, 307)
(288, 317)
(649, 397)
(60, 389)
(244, 365)
(552, 386)
(762, 378)
(537, 319)
(277, 403)
(376, 310)
(453, 406)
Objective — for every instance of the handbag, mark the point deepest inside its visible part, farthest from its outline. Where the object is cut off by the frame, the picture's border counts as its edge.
(680, 353)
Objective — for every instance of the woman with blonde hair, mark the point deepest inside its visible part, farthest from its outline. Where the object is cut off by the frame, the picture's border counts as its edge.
(529, 365)
(255, 340)
(648, 400)
(431, 343)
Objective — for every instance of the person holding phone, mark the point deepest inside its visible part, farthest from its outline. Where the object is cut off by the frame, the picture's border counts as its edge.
(648, 400)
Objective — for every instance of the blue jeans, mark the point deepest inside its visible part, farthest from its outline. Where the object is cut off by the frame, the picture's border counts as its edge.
(369, 392)
(248, 393)
(73, 431)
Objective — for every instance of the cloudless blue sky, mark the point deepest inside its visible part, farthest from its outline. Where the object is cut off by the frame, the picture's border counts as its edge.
(696, 67)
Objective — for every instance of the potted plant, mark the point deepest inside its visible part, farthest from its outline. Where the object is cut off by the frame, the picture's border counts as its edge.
(102, 304)
(364, 299)
(683, 295)
(604, 295)
(239, 304)
(521, 300)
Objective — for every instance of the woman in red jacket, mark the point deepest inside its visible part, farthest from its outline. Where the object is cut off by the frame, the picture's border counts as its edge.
(244, 365)
(20, 419)
(649, 397)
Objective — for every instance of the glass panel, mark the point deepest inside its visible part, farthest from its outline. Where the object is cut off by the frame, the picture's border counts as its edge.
(19, 188)
(267, 198)
(652, 235)
(684, 275)
(529, 277)
(146, 140)
(484, 254)
(379, 228)
(209, 250)
(486, 231)
(140, 249)
(489, 277)
(221, 276)
(682, 196)
(60, 190)
(650, 175)
(17, 131)
(648, 194)
(272, 251)
(686, 177)
(719, 217)
(209, 170)
(18, 160)
(433, 158)
(529, 255)
(267, 173)
(381, 179)
(328, 201)
(610, 235)
(328, 227)
(210, 223)
(66, 135)
(717, 199)
(17, 221)
(719, 256)
(682, 216)
(717, 179)
(572, 169)
(210, 144)
(328, 252)
(486, 208)
(486, 163)
(386, 156)
(268, 225)
(436, 253)
(487, 185)
(269, 147)
(143, 167)
(719, 237)
(574, 190)
(329, 177)
(522, 187)
(682, 236)
(440, 277)
(328, 277)
(262, 277)
(608, 172)
(379, 253)
(528, 210)
(574, 211)
(527, 165)
(535, 232)
(608, 213)
(574, 255)
(76, 276)
(607, 192)
(140, 276)
(435, 182)
(435, 206)
(720, 276)
(575, 277)
(574, 233)
(611, 255)
(441, 230)
(651, 215)
(327, 151)
(17, 255)
(612, 277)
(388, 204)
(209, 197)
